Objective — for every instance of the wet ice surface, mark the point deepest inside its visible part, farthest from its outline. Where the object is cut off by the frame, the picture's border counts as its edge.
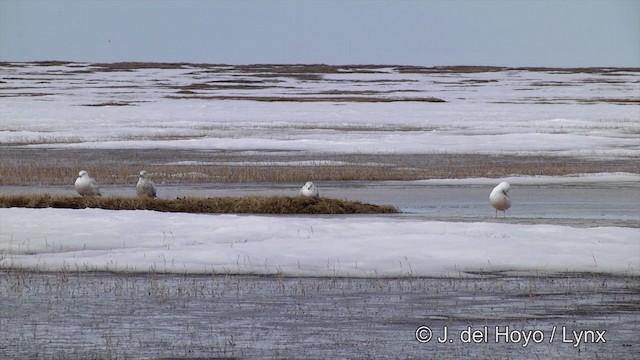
(586, 204)
(86, 315)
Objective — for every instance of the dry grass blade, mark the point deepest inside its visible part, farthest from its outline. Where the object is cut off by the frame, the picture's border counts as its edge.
(238, 205)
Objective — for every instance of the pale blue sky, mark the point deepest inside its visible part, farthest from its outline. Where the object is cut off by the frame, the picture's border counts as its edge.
(458, 32)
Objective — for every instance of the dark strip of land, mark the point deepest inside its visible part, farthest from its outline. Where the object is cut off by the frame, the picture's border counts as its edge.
(219, 205)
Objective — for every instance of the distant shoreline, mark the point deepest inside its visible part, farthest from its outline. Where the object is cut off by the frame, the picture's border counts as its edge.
(322, 68)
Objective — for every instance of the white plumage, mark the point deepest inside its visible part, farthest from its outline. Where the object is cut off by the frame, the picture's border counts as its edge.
(86, 185)
(309, 190)
(145, 187)
(499, 198)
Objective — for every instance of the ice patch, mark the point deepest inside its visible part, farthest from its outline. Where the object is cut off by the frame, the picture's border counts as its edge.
(142, 241)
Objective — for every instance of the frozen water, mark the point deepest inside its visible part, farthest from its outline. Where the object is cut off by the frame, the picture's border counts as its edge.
(506, 112)
(147, 241)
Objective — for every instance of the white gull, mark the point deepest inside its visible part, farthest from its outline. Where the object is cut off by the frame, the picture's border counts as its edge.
(309, 190)
(86, 185)
(499, 198)
(145, 187)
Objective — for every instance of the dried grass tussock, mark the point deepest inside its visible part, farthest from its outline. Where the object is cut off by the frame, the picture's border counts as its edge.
(219, 205)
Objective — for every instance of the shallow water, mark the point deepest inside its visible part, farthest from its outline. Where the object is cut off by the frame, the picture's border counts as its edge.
(100, 315)
(588, 204)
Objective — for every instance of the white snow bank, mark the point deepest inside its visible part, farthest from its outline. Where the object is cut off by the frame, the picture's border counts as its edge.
(619, 177)
(140, 241)
(515, 112)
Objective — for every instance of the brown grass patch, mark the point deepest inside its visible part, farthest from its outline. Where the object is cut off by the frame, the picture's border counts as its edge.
(610, 100)
(130, 66)
(42, 140)
(366, 99)
(228, 85)
(38, 166)
(218, 205)
(111, 103)
(25, 94)
(585, 101)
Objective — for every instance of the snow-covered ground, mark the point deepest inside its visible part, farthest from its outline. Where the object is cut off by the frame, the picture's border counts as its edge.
(506, 112)
(574, 179)
(362, 246)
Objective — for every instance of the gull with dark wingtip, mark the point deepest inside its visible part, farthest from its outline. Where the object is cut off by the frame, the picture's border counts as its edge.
(500, 199)
(145, 187)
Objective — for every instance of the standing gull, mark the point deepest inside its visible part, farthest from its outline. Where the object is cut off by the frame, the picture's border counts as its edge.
(86, 185)
(309, 190)
(499, 198)
(145, 187)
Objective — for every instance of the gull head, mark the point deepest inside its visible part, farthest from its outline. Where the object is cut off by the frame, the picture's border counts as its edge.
(309, 190)
(499, 198)
(504, 187)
